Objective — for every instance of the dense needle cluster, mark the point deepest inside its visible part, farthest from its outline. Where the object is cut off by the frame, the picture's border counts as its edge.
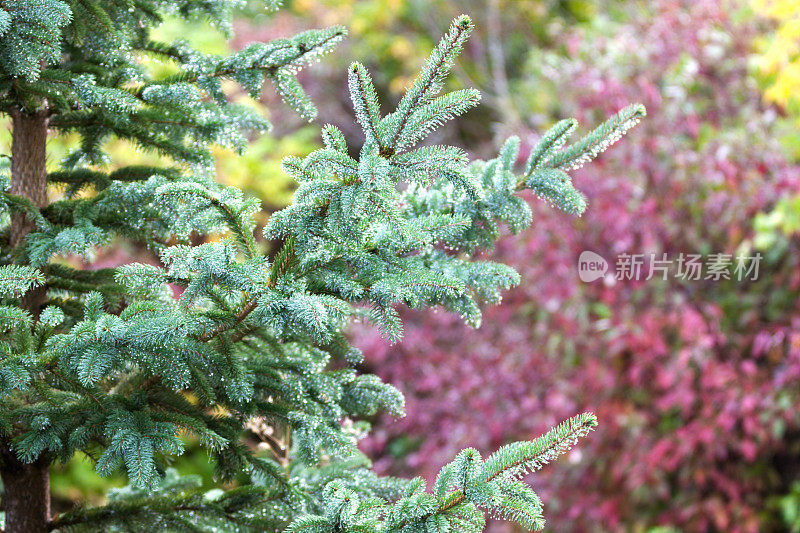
(110, 363)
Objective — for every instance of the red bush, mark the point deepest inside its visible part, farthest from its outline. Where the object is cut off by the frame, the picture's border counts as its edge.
(695, 382)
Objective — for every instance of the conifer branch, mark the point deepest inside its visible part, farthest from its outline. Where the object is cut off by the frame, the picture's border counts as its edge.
(432, 76)
(114, 361)
(280, 266)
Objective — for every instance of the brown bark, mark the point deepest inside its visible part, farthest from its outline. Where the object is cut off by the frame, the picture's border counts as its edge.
(28, 179)
(26, 486)
(26, 493)
(28, 174)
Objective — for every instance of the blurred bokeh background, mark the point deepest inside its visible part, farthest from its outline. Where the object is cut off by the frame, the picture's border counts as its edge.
(696, 383)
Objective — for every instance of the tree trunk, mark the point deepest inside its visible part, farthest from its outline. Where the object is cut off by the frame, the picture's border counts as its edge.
(26, 493)
(28, 179)
(28, 173)
(26, 486)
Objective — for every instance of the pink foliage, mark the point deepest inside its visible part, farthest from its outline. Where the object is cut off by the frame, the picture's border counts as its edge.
(695, 383)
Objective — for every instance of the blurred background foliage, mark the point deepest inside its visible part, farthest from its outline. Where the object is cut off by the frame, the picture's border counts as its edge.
(779, 53)
(696, 384)
(778, 71)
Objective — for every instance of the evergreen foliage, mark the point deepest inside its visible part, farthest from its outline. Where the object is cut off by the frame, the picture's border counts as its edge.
(110, 363)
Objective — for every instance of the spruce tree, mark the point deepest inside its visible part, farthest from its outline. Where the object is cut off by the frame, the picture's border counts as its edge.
(108, 362)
